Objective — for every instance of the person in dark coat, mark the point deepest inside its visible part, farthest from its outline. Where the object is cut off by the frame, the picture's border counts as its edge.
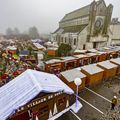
(113, 103)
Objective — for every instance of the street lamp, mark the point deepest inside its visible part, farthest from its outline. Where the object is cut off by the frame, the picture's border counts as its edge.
(77, 82)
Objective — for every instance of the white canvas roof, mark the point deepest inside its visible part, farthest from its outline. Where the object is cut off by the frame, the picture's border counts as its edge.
(80, 56)
(91, 54)
(38, 46)
(92, 50)
(92, 69)
(36, 40)
(100, 52)
(68, 58)
(70, 75)
(52, 48)
(80, 51)
(78, 68)
(53, 61)
(11, 48)
(117, 60)
(107, 64)
(25, 87)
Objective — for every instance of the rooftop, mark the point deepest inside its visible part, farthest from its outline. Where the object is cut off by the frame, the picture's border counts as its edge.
(117, 60)
(74, 29)
(80, 56)
(80, 51)
(38, 46)
(92, 69)
(107, 64)
(77, 13)
(52, 48)
(53, 61)
(11, 48)
(68, 58)
(70, 75)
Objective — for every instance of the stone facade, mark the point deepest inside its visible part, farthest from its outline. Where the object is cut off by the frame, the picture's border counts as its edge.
(115, 32)
(86, 27)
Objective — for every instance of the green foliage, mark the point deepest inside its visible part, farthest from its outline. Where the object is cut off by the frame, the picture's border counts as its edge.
(48, 57)
(64, 49)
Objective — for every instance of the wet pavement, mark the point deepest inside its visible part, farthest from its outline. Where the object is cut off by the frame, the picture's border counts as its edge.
(68, 116)
(96, 101)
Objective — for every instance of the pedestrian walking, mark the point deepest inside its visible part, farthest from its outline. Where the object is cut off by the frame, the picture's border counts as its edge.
(114, 102)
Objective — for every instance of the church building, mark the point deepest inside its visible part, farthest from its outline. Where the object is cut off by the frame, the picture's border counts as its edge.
(87, 27)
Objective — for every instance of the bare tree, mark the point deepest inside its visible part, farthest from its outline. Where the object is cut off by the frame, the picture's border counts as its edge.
(9, 32)
(33, 32)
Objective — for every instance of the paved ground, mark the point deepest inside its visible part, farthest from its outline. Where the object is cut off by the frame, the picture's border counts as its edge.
(96, 101)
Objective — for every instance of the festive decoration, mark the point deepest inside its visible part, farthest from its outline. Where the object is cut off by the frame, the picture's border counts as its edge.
(55, 109)
(36, 118)
(50, 114)
(67, 105)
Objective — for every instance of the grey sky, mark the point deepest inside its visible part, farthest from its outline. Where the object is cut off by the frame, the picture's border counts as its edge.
(44, 14)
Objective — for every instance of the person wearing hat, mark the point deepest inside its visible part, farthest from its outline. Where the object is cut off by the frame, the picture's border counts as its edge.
(113, 103)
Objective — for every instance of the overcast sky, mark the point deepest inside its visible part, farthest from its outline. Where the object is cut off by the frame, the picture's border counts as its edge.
(44, 14)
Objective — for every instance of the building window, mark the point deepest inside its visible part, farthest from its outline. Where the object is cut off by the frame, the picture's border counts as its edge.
(62, 39)
(61, 101)
(44, 110)
(65, 39)
(84, 47)
(75, 41)
(69, 41)
(56, 38)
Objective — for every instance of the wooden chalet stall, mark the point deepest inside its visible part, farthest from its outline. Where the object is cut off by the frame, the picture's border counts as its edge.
(94, 74)
(69, 62)
(39, 47)
(114, 54)
(111, 54)
(114, 51)
(93, 57)
(116, 61)
(11, 50)
(52, 51)
(107, 50)
(24, 54)
(31, 59)
(69, 76)
(35, 95)
(110, 69)
(102, 56)
(82, 59)
(53, 65)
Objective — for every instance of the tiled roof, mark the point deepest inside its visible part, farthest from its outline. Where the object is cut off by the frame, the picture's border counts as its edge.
(74, 29)
(77, 13)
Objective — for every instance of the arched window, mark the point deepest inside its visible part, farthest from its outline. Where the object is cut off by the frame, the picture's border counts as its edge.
(75, 40)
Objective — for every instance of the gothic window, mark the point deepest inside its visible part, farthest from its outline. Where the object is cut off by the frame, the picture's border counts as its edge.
(74, 41)
(69, 41)
(65, 39)
(62, 39)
